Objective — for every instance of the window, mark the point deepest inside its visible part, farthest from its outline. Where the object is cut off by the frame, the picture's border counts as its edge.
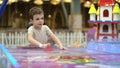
(105, 13)
(105, 28)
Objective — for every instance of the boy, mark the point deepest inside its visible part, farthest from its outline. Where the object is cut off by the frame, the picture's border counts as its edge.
(38, 34)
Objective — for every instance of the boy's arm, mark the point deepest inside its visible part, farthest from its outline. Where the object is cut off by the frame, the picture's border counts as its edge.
(35, 42)
(57, 41)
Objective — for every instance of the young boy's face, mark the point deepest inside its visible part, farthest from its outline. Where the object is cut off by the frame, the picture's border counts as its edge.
(38, 20)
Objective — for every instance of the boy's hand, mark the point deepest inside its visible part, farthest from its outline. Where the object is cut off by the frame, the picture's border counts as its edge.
(46, 45)
(63, 48)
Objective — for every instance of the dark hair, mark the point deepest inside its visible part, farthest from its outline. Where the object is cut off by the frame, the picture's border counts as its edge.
(35, 10)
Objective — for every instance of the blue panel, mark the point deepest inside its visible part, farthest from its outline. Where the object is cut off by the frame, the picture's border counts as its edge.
(2, 7)
(10, 57)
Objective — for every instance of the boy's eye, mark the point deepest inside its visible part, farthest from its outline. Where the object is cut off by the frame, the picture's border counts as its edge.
(42, 18)
(37, 18)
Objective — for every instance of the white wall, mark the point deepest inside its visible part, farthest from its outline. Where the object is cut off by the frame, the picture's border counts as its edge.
(102, 8)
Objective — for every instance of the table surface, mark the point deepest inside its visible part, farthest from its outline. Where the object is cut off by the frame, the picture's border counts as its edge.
(41, 58)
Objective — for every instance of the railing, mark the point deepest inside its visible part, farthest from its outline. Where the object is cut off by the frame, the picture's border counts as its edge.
(19, 38)
(13, 38)
(6, 59)
(72, 39)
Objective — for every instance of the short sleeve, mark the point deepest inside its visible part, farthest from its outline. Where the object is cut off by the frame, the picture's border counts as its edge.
(30, 30)
(48, 31)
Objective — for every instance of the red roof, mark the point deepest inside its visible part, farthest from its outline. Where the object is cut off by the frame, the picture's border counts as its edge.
(106, 2)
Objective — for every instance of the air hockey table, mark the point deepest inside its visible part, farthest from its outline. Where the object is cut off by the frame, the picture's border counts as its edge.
(56, 58)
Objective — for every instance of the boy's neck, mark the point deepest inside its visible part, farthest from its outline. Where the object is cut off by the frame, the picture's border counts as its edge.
(37, 27)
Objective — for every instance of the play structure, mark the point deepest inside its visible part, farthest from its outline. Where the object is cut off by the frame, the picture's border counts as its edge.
(107, 14)
(107, 19)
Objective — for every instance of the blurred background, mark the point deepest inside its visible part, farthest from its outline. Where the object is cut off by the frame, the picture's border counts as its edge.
(59, 14)
(68, 19)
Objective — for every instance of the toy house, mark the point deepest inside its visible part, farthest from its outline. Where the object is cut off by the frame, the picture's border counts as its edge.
(106, 17)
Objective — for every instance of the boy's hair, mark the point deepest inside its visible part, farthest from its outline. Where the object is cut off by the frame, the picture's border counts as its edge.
(35, 10)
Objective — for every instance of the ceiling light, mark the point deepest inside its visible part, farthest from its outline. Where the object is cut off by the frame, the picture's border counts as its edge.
(55, 2)
(1, 2)
(87, 3)
(67, 1)
(26, 0)
(38, 2)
